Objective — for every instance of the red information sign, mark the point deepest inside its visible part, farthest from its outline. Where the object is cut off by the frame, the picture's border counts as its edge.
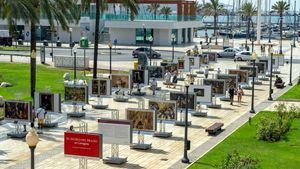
(83, 144)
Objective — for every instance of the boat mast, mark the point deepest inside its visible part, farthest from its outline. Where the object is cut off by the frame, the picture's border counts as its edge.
(258, 21)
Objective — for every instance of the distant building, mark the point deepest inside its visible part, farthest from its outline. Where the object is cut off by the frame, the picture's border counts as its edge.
(117, 24)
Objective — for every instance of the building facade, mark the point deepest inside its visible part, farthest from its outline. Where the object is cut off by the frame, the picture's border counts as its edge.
(117, 24)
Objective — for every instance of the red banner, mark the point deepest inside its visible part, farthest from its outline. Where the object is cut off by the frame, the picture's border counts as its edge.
(83, 144)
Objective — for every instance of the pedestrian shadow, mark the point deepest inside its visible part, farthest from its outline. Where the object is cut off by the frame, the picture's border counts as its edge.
(6, 161)
(196, 127)
(154, 151)
(213, 117)
(174, 138)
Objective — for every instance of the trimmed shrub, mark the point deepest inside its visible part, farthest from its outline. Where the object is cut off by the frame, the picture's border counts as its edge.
(273, 129)
(235, 161)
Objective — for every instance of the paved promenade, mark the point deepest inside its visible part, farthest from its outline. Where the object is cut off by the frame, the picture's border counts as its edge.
(165, 153)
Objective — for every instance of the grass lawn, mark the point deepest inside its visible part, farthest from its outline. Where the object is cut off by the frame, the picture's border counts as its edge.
(19, 75)
(282, 154)
(14, 48)
(292, 94)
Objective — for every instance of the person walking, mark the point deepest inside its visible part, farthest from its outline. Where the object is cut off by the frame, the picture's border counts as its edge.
(218, 71)
(231, 94)
(206, 71)
(240, 94)
(174, 79)
(167, 78)
(153, 86)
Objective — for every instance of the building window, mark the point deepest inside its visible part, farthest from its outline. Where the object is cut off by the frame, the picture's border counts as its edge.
(142, 36)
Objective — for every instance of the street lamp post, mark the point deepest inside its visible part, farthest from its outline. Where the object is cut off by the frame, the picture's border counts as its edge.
(75, 52)
(110, 73)
(185, 158)
(173, 45)
(151, 41)
(291, 64)
(271, 74)
(254, 56)
(252, 41)
(70, 31)
(32, 139)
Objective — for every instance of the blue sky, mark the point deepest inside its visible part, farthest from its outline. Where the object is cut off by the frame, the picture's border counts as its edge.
(255, 1)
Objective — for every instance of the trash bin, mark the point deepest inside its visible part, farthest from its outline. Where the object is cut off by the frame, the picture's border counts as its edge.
(42, 52)
(45, 43)
(20, 42)
(84, 42)
(58, 43)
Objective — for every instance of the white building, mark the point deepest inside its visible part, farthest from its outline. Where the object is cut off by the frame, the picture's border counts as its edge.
(115, 24)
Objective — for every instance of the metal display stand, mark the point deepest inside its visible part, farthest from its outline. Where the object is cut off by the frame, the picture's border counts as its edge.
(181, 121)
(263, 78)
(180, 78)
(100, 104)
(115, 159)
(48, 122)
(140, 145)
(121, 98)
(76, 113)
(225, 98)
(199, 112)
(83, 128)
(162, 131)
(141, 104)
(17, 133)
(214, 104)
(138, 92)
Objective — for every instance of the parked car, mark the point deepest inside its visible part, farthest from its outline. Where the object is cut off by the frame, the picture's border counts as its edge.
(244, 55)
(155, 55)
(228, 53)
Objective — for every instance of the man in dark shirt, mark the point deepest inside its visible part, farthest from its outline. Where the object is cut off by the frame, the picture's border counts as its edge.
(231, 94)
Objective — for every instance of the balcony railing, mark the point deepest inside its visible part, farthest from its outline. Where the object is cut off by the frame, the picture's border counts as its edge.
(127, 17)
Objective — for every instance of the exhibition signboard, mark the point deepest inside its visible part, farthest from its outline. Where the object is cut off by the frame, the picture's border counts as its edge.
(83, 144)
(17, 110)
(115, 131)
(49, 101)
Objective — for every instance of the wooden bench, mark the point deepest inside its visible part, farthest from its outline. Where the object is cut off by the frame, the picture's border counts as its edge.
(213, 129)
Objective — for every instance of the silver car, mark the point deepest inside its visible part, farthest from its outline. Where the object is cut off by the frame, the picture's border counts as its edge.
(228, 53)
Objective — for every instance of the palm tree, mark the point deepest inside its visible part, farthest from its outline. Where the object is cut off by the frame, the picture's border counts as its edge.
(153, 8)
(166, 11)
(129, 4)
(58, 10)
(214, 8)
(280, 7)
(248, 10)
(199, 8)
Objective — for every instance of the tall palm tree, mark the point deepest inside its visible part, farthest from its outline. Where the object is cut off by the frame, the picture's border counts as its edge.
(129, 4)
(214, 8)
(248, 10)
(58, 10)
(280, 7)
(166, 11)
(153, 8)
(199, 8)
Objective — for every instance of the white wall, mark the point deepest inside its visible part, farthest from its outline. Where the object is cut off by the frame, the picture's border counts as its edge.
(124, 36)
(162, 37)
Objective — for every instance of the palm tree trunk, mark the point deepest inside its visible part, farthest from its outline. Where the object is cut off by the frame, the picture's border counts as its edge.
(32, 59)
(96, 38)
(215, 28)
(248, 31)
(280, 48)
